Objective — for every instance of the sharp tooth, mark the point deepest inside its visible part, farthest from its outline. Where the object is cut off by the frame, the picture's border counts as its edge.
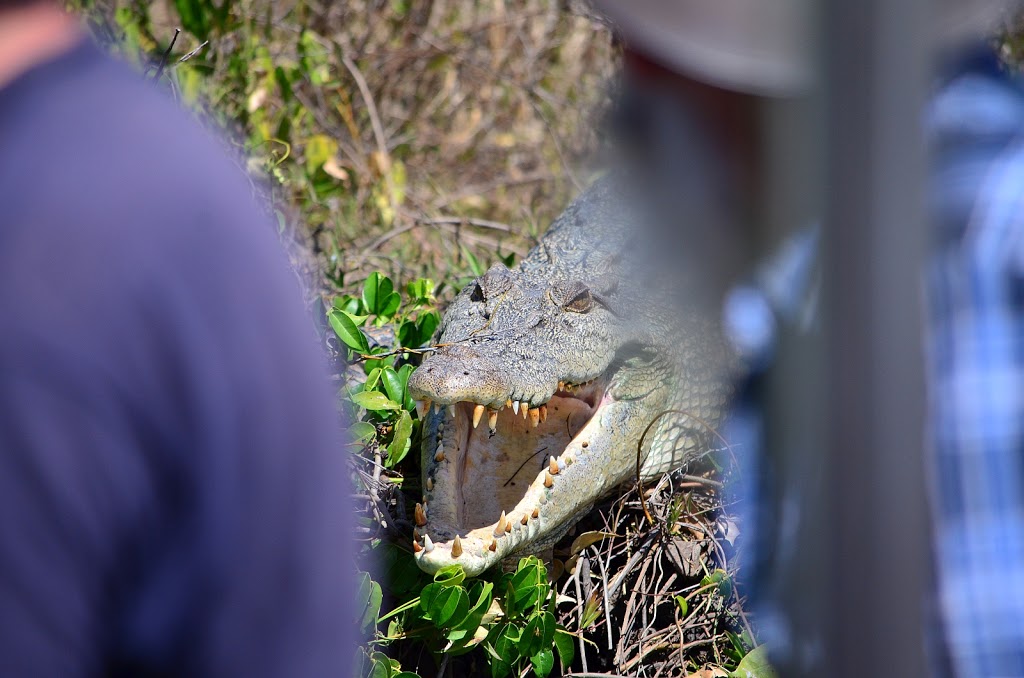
(508, 403)
(494, 545)
(420, 515)
(451, 411)
(430, 484)
(515, 406)
(543, 412)
(561, 386)
(534, 417)
(416, 548)
(456, 547)
(525, 519)
(549, 480)
(508, 527)
(492, 420)
(499, 529)
(525, 407)
(439, 455)
(478, 413)
(428, 545)
(536, 513)
(553, 468)
(422, 407)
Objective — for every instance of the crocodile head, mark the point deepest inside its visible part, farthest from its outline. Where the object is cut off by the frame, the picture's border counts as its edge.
(543, 380)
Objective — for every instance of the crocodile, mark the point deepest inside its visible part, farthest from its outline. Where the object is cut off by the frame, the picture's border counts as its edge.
(543, 379)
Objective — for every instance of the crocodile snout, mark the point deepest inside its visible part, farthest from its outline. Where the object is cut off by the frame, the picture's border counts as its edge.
(460, 373)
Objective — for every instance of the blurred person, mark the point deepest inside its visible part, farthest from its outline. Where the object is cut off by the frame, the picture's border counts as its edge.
(697, 80)
(172, 485)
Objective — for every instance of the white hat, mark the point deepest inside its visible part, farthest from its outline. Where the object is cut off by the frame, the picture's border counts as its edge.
(762, 47)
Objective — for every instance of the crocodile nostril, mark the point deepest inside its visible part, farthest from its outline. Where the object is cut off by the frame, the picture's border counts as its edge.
(466, 374)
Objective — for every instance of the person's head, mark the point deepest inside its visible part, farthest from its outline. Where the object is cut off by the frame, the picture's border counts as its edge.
(32, 31)
(700, 79)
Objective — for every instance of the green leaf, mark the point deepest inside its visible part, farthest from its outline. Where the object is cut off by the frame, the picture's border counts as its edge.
(194, 17)
(721, 578)
(320, 149)
(368, 599)
(421, 291)
(754, 665)
(389, 305)
(400, 442)
(351, 305)
(408, 334)
(376, 292)
(536, 636)
(481, 591)
(529, 583)
(380, 666)
(474, 263)
(543, 662)
(566, 645)
(450, 575)
(347, 331)
(444, 604)
(684, 607)
(427, 323)
(397, 569)
(284, 83)
(372, 378)
(505, 652)
(362, 431)
(374, 401)
(393, 384)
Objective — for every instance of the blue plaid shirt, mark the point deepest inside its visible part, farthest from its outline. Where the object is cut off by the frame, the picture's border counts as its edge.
(975, 353)
(975, 297)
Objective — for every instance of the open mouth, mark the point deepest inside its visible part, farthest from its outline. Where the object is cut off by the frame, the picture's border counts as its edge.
(491, 475)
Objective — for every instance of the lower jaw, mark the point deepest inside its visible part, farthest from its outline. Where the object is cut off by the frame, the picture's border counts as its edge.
(454, 523)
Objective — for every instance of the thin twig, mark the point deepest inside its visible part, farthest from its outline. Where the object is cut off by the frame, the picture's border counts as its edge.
(193, 52)
(166, 56)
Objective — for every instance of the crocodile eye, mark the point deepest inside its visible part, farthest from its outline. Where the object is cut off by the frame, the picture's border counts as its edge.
(580, 301)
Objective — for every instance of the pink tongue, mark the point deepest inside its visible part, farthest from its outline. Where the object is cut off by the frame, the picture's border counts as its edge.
(494, 476)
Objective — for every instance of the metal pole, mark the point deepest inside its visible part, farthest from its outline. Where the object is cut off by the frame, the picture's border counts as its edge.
(876, 76)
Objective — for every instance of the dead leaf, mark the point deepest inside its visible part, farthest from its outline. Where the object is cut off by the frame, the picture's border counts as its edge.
(685, 555)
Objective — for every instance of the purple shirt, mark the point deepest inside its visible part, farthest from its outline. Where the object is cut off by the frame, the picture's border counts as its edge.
(172, 480)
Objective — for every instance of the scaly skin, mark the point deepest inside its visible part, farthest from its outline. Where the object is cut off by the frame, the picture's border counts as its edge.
(545, 378)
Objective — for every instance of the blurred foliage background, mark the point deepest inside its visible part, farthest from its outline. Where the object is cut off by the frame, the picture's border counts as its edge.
(405, 136)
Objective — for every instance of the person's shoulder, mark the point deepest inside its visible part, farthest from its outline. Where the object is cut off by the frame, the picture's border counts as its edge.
(96, 122)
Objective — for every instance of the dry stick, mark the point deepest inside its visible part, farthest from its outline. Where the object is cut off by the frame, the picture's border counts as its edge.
(439, 221)
(579, 603)
(167, 54)
(554, 141)
(628, 615)
(193, 52)
(378, 128)
(631, 563)
(607, 605)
